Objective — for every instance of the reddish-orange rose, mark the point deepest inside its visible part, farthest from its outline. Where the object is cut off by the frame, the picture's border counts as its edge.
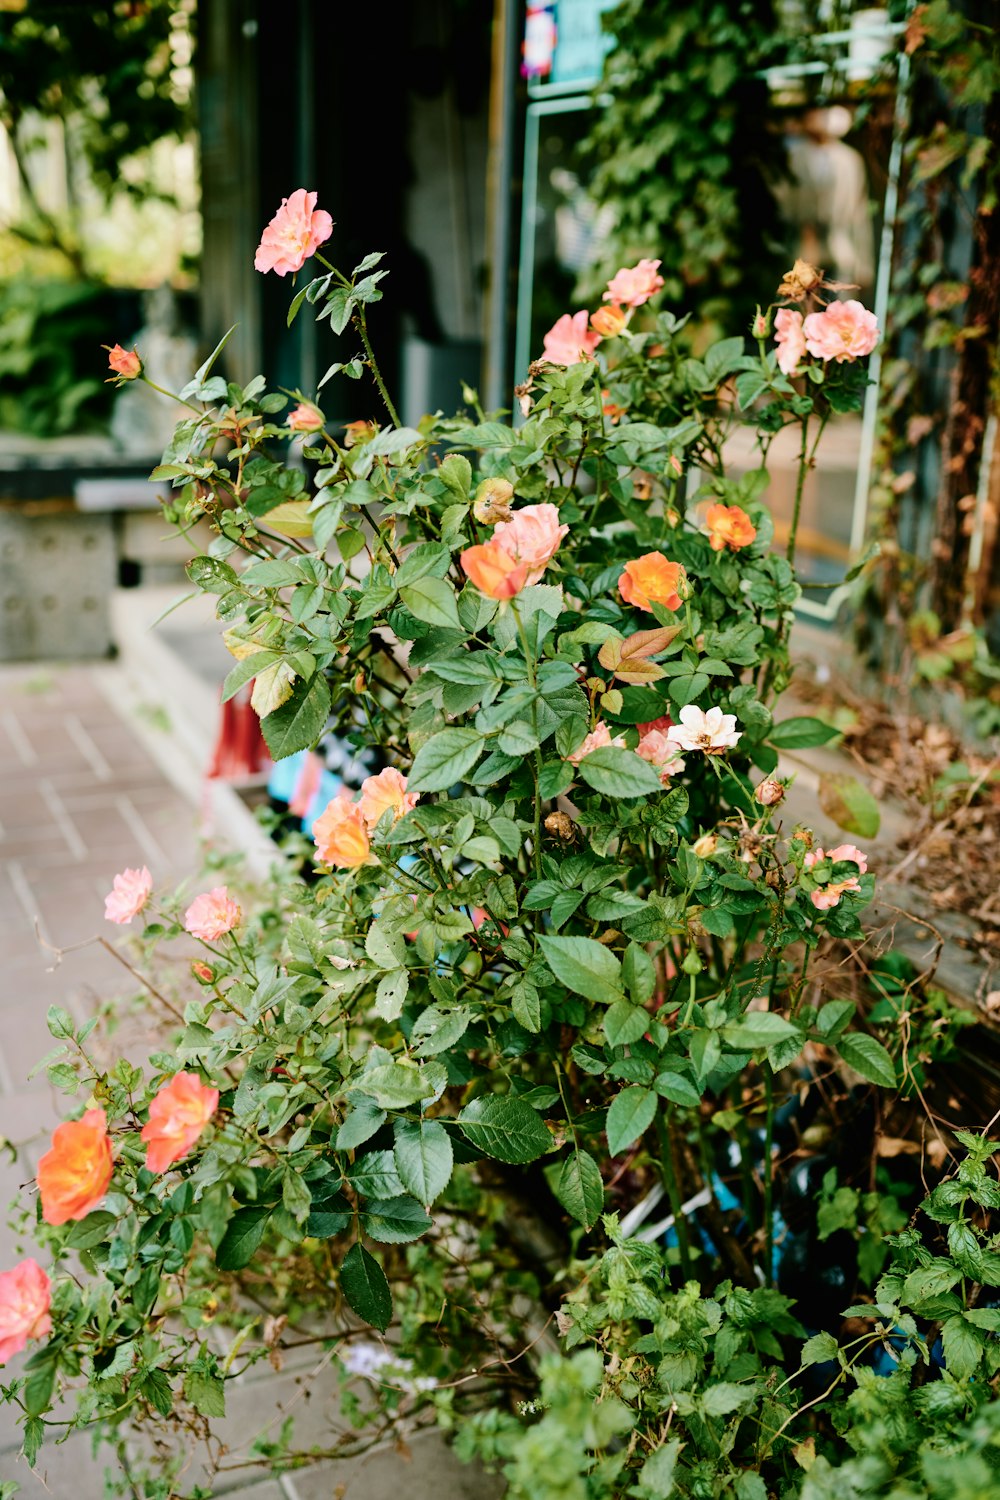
(652, 579)
(729, 526)
(177, 1116)
(609, 321)
(74, 1173)
(494, 571)
(125, 362)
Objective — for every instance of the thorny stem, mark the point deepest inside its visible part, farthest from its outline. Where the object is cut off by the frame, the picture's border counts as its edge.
(669, 1176)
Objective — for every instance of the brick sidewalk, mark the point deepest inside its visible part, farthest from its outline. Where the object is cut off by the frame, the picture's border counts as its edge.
(82, 798)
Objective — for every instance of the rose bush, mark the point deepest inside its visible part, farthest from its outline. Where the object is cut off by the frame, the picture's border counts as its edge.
(549, 967)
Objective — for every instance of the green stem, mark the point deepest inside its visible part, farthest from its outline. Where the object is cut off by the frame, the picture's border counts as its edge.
(361, 323)
(800, 484)
(768, 1176)
(669, 1176)
(536, 763)
(170, 394)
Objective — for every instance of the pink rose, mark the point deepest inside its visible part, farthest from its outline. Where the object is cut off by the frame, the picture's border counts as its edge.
(531, 536)
(177, 1116)
(569, 340)
(305, 418)
(212, 915)
(597, 739)
(828, 896)
(791, 340)
(129, 894)
(661, 753)
(293, 235)
(25, 1297)
(849, 851)
(842, 331)
(636, 285)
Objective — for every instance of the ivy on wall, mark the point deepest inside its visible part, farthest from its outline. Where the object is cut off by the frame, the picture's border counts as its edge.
(681, 152)
(939, 383)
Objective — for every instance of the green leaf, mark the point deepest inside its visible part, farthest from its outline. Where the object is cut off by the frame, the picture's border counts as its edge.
(391, 994)
(619, 773)
(156, 1388)
(963, 1347)
(363, 1283)
(630, 1114)
(242, 1238)
(759, 1028)
(868, 1057)
(206, 1393)
(584, 966)
(424, 1158)
(444, 759)
(433, 601)
(394, 1221)
(625, 1023)
(361, 1124)
(820, 1348)
(657, 1473)
(525, 1004)
(505, 1129)
(328, 1217)
(394, 1085)
(850, 805)
(435, 1030)
(725, 1397)
(580, 1189)
(88, 1232)
(800, 733)
(298, 724)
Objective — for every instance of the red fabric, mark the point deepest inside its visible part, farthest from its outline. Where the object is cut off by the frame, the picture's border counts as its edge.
(240, 748)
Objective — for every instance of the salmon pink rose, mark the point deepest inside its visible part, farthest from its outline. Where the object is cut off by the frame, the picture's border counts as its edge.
(25, 1298)
(652, 579)
(74, 1173)
(851, 852)
(384, 791)
(493, 570)
(293, 235)
(129, 893)
(125, 362)
(177, 1116)
(598, 739)
(341, 836)
(305, 418)
(532, 537)
(212, 915)
(569, 340)
(790, 339)
(661, 753)
(729, 526)
(634, 286)
(842, 331)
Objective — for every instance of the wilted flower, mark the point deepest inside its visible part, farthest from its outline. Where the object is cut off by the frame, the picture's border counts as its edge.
(706, 846)
(569, 340)
(492, 501)
(293, 235)
(560, 825)
(358, 432)
(769, 792)
(802, 279)
(713, 732)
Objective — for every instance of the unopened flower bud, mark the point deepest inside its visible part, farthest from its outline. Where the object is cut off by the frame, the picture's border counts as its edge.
(125, 362)
(492, 501)
(675, 464)
(609, 321)
(692, 962)
(360, 684)
(769, 792)
(706, 846)
(761, 325)
(202, 973)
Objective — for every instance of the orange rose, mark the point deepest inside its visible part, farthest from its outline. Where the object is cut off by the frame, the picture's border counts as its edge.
(341, 836)
(652, 579)
(74, 1173)
(177, 1116)
(124, 362)
(609, 321)
(494, 571)
(728, 526)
